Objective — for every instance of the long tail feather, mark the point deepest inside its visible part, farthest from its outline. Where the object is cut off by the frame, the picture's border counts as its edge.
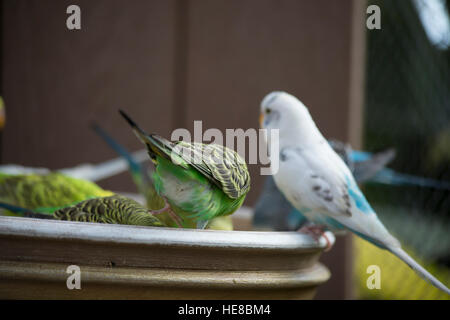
(389, 176)
(365, 170)
(155, 144)
(400, 253)
(139, 174)
(134, 166)
(23, 212)
(141, 134)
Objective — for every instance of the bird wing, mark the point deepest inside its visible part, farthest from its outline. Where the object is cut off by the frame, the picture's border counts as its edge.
(323, 188)
(113, 209)
(344, 202)
(222, 166)
(329, 195)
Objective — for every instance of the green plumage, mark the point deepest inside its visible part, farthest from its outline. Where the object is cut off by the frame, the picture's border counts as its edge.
(220, 165)
(114, 209)
(46, 193)
(53, 190)
(200, 181)
(142, 178)
(191, 194)
(146, 188)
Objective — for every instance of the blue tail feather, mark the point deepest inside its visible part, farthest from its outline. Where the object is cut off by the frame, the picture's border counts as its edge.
(13, 208)
(389, 176)
(392, 177)
(134, 166)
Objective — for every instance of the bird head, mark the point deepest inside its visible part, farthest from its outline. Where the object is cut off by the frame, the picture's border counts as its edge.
(280, 110)
(283, 111)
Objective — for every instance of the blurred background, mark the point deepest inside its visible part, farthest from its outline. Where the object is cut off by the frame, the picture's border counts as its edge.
(407, 106)
(171, 62)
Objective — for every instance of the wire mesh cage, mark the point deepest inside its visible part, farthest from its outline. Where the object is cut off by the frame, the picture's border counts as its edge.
(408, 107)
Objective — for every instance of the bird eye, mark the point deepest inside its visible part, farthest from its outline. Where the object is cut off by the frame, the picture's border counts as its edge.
(268, 110)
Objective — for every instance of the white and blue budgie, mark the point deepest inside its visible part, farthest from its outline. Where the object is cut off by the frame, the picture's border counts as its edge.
(272, 211)
(317, 182)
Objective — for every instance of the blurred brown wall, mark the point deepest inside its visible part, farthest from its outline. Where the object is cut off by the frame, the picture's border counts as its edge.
(169, 63)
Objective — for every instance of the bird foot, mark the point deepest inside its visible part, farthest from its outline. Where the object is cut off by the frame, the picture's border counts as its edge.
(167, 208)
(162, 210)
(318, 232)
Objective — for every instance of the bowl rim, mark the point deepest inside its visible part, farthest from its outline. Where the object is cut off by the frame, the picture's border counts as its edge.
(141, 235)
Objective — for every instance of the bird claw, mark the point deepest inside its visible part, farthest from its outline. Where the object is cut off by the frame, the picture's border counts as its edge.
(162, 210)
(167, 208)
(318, 233)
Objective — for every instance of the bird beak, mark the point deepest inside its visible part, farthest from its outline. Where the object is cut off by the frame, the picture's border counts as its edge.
(261, 119)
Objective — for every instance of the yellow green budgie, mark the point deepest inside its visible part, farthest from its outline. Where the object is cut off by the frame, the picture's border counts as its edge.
(142, 179)
(45, 193)
(59, 196)
(114, 209)
(198, 181)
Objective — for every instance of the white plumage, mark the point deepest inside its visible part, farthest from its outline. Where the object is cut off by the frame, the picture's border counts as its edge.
(318, 183)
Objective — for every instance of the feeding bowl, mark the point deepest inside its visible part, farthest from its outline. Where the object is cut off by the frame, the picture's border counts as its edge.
(132, 262)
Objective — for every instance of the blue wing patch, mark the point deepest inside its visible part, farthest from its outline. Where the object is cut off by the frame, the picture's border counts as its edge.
(356, 194)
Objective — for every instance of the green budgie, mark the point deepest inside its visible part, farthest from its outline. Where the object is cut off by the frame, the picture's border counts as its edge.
(113, 209)
(45, 193)
(200, 181)
(142, 179)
